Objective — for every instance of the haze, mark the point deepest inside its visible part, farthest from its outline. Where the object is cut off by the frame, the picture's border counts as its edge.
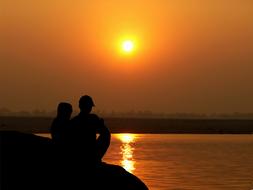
(191, 56)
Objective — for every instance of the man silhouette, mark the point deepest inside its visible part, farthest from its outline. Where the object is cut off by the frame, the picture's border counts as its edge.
(84, 129)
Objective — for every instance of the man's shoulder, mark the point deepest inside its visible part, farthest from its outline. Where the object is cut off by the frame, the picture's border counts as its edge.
(75, 119)
(93, 116)
(81, 116)
(89, 118)
(95, 119)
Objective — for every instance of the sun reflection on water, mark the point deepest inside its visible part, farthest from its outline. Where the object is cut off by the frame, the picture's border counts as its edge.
(127, 150)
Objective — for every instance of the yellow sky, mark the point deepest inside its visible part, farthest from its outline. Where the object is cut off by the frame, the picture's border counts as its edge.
(190, 56)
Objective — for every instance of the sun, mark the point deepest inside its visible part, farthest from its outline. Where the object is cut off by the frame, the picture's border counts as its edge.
(127, 46)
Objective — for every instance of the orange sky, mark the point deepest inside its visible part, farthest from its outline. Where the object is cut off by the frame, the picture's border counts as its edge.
(190, 56)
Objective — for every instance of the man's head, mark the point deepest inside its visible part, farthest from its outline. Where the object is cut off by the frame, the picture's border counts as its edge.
(86, 103)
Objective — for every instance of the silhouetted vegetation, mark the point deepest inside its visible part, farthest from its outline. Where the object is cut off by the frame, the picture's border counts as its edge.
(131, 114)
(140, 125)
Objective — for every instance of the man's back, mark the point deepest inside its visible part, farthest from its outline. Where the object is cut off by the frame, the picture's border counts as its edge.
(83, 127)
(82, 135)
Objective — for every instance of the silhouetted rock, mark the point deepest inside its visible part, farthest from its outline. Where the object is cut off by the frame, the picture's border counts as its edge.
(33, 162)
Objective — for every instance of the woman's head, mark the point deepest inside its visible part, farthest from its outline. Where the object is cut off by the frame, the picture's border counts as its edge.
(64, 110)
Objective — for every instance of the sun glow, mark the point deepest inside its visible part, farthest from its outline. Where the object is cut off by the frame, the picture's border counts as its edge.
(127, 46)
(126, 138)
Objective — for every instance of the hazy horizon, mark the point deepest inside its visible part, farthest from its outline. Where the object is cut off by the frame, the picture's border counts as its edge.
(5, 112)
(190, 57)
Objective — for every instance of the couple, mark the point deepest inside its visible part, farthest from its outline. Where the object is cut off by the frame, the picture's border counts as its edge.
(78, 136)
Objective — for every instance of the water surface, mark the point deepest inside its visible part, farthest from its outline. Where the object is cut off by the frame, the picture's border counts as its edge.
(186, 162)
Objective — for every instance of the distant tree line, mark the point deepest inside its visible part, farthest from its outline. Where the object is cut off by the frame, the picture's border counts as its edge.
(24, 113)
(130, 114)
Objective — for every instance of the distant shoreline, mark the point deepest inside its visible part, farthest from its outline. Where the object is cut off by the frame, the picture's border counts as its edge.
(140, 125)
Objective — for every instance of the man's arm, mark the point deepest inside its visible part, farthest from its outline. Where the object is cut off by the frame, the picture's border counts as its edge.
(104, 139)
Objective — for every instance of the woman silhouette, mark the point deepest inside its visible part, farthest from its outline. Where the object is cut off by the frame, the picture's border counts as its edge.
(60, 124)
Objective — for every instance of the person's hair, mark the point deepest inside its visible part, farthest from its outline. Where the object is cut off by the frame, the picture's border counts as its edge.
(64, 109)
(85, 102)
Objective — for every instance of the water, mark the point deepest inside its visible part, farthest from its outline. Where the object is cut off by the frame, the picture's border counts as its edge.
(186, 162)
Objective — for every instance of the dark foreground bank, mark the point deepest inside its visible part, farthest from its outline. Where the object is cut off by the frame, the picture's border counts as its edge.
(33, 162)
(140, 125)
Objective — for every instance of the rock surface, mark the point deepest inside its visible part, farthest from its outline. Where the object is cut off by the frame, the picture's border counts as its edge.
(33, 162)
